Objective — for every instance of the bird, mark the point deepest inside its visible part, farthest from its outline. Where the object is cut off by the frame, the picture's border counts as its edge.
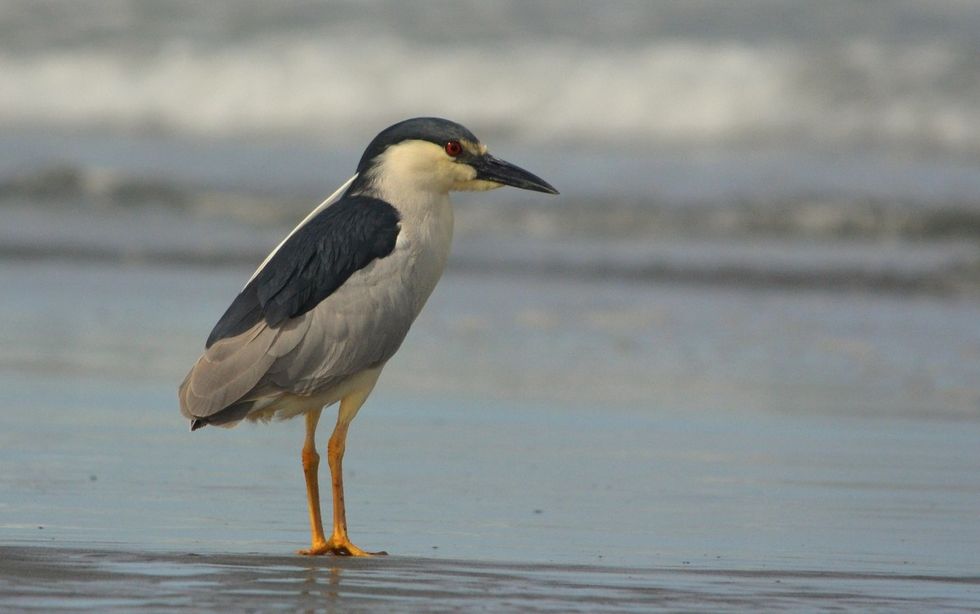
(320, 317)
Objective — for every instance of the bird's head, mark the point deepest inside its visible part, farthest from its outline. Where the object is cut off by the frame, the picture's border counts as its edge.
(428, 154)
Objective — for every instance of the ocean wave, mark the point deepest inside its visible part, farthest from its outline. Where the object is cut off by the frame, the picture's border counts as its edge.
(154, 237)
(801, 216)
(70, 213)
(916, 96)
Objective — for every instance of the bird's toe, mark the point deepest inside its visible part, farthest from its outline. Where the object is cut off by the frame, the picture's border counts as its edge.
(339, 548)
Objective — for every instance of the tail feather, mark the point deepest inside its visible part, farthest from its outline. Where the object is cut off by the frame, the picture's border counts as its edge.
(227, 417)
(226, 382)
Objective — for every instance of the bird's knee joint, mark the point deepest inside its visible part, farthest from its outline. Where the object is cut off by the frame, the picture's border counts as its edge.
(335, 447)
(310, 459)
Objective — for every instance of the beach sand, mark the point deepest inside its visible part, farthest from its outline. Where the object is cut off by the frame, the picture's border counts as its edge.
(51, 579)
(522, 453)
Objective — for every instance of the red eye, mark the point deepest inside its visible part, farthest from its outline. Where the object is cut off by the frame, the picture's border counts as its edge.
(453, 148)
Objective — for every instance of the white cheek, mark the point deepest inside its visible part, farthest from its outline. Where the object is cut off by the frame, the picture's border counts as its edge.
(463, 172)
(464, 176)
(477, 185)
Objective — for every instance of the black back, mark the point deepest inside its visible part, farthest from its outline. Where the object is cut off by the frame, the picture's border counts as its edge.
(342, 239)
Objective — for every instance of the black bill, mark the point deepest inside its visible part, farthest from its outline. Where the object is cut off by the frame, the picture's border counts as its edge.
(491, 169)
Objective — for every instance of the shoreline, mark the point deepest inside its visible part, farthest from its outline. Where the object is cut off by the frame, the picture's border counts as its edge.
(56, 578)
(955, 277)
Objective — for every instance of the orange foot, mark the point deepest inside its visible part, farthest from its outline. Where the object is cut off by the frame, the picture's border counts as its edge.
(338, 548)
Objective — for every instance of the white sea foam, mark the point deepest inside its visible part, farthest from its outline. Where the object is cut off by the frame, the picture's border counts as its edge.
(911, 96)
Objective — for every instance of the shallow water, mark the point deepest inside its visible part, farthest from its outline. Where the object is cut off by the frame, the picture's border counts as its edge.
(535, 445)
(119, 580)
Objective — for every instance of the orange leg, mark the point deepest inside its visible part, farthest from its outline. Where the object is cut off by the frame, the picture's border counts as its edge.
(311, 464)
(338, 543)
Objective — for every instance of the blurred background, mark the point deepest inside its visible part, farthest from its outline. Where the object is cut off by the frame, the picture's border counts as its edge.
(768, 208)
(763, 145)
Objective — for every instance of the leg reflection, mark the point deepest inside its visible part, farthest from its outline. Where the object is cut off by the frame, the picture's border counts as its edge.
(321, 589)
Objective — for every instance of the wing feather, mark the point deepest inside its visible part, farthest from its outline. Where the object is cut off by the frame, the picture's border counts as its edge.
(312, 263)
(273, 337)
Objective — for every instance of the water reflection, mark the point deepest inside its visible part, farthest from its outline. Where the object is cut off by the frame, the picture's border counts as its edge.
(107, 580)
(322, 586)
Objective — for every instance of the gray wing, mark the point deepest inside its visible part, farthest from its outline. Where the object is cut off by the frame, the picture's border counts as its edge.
(328, 304)
(360, 326)
(314, 261)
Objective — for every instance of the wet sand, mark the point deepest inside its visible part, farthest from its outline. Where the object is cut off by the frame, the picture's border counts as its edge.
(52, 579)
(522, 454)
(491, 507)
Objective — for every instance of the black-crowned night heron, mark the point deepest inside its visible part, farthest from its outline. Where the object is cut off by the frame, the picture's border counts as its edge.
(318, 320)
